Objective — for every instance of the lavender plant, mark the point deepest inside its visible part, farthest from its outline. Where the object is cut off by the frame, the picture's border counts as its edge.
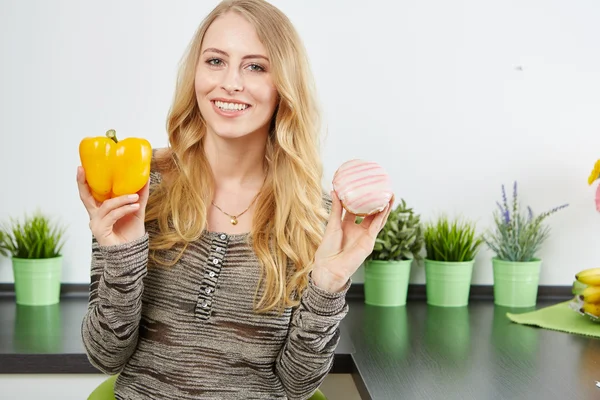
(517, 236)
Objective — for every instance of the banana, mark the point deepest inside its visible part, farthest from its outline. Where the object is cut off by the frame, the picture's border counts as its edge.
(592, 309)
(589, 276)
(589, 271)
(591, 294)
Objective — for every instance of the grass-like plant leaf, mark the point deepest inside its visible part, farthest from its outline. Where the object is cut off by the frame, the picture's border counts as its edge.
(34, 237)
(451, 240)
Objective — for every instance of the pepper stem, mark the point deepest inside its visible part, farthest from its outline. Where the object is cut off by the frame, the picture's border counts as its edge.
(112, 134)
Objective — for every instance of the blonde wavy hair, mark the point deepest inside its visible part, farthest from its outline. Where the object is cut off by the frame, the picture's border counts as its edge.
(290, 214)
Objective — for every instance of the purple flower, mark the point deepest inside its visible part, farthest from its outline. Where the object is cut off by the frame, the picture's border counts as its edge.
(505, 211)
(500, 207)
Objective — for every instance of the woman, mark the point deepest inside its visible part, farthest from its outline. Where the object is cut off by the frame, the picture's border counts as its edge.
(224, 277)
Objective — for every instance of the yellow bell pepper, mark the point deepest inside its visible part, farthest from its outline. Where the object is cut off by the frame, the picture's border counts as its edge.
(114, 168)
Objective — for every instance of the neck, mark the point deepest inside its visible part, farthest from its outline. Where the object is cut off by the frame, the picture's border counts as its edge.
(236, 162)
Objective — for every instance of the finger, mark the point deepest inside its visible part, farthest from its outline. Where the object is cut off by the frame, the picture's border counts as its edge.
(110, 205)
(372, 222)
(335, 217)
(368, 220)
(387, 214)
(84, 191)
(348, 220)
(378, 222)
(144, 193)
(116, 214)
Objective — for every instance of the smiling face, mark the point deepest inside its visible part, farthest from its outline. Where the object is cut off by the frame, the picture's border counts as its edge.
(233, 82)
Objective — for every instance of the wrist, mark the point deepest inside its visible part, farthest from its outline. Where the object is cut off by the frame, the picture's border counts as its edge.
(328, 281)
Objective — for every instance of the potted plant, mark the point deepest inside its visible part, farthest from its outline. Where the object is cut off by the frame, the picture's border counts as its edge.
(515, 239)
(34, 247)
(451, 246)
(387, 268)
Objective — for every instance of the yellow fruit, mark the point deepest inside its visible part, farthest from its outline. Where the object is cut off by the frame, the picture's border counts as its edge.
(593, 309)
(591, 294)
(589, 276)
(588, 271)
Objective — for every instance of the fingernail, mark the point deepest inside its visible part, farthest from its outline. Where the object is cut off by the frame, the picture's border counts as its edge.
(132, 196)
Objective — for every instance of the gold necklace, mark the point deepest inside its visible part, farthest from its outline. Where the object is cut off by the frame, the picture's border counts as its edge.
(234, 218)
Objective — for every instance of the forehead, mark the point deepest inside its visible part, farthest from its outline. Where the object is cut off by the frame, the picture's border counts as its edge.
(233, 34)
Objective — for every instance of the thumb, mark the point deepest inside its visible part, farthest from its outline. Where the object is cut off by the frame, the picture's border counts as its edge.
(335, 217)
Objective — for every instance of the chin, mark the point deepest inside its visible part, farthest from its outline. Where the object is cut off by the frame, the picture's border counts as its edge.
(235, 130)
(229, 133)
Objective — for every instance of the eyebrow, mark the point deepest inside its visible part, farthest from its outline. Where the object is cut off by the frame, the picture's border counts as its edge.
(213, 50)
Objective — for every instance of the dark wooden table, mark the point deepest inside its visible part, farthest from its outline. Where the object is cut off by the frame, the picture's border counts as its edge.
(411, 352)
(47, 339)
(475, 352)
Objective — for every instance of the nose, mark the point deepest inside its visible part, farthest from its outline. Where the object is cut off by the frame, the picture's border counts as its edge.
(232, 81)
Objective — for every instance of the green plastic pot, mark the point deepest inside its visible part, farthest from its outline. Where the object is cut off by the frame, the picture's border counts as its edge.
(448, 284)
(37, 281)
(516, 282)
(386, 282)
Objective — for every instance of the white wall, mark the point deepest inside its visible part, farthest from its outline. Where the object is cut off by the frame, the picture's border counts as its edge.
(453, 98)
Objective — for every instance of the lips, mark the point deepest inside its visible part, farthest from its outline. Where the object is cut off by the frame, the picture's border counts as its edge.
(230, 109)
(230, 106)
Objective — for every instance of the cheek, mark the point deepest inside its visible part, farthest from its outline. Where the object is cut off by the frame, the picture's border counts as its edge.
(266, 94)
(203, 83)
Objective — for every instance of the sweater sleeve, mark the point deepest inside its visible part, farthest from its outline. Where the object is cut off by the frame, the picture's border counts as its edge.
(307, 356)
(110, 325)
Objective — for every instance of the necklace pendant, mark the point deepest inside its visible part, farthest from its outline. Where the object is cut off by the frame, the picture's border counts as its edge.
(234, 221)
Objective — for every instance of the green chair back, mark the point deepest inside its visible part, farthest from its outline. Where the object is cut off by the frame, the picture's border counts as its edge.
(105, 390)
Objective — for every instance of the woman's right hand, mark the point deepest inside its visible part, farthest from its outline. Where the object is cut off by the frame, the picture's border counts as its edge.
(114, 221)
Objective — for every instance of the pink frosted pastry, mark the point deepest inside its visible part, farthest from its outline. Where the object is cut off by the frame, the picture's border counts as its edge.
(363, 187)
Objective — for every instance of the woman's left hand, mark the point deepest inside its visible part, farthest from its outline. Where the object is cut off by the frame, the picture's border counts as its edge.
(345, 245)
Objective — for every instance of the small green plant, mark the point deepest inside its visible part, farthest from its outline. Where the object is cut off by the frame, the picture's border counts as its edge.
(35, 237)
(2, 240)
(401, 237)
(451, 240)
(516, 236)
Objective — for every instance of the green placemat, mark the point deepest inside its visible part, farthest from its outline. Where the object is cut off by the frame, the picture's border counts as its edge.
(559, 317)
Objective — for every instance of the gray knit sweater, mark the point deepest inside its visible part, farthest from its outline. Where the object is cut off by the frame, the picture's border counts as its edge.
(189, 331)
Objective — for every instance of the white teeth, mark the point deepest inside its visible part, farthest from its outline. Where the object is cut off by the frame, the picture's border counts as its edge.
(231, 106)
